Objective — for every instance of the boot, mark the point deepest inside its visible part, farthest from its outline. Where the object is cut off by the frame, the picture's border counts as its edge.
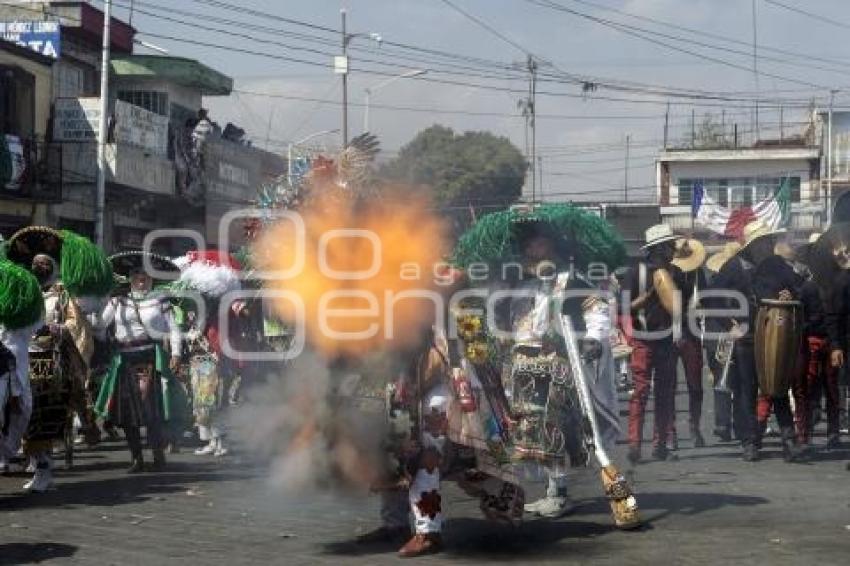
(723, 434)
(41, 481)
(750, 452)
(833, 442)
(421, 544)
(623, 503)
(791, 451)
(137, 465)
(696, 436)
(158, 460)
(660, 452)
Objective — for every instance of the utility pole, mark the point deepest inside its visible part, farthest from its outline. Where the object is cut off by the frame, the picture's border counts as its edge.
(626, 179)
(666, 124)
(829, 161)
(100, 198)
(756, 70)
(540, 166)
(344, 81)
(532, 104)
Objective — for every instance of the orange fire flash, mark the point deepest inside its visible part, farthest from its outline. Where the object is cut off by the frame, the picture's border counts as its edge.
(350, 284)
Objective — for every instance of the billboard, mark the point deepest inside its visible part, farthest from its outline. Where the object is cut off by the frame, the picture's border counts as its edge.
(43, 37)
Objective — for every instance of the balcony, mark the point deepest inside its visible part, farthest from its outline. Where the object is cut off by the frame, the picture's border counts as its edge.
(126, 165)
(30, 170)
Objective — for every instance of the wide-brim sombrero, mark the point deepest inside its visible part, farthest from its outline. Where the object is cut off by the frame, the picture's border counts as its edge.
(159, 267)
(690, 254)
(716, 262)
(31, 241)
(83, 267)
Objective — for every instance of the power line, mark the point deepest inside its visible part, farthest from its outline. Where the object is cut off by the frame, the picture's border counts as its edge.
(640, 33)
(812, 15)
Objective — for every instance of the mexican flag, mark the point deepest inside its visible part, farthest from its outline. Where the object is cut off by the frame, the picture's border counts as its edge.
(774, 211)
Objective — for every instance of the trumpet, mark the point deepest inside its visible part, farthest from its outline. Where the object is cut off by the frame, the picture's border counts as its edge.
(723, 355)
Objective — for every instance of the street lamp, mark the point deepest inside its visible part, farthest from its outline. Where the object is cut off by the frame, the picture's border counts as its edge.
(370, 90)
(299, 142)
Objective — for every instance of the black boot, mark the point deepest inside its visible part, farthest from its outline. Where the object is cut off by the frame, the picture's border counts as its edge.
(791, 451)
(158, 460)
(696, 436)
(137, 465)
(750, 452)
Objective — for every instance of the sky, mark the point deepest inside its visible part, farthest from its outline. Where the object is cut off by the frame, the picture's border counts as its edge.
(581, 137)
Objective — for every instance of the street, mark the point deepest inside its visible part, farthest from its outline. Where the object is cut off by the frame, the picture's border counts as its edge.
(707, 507)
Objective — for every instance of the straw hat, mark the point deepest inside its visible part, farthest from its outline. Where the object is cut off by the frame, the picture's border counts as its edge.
(690, 254)
(756, 230)
(658, 234)
(716, 262)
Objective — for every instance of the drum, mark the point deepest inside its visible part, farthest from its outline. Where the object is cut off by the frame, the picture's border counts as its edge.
(51, 397)
(779, 335)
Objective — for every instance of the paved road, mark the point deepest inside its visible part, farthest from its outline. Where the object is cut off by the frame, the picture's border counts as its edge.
(708, 507)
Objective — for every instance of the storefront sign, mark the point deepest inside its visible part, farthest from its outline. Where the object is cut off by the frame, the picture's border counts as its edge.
(43, 37)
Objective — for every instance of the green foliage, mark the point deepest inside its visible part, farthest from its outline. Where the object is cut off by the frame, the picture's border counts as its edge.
(21, 301)
(461, 169)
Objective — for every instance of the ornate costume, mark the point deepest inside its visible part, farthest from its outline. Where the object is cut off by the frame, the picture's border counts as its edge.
(139, 389)
(522, 377)
(211, 371)
(67, 266)
(21, 307)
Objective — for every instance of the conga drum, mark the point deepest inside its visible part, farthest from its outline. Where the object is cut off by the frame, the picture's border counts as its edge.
(779, 334)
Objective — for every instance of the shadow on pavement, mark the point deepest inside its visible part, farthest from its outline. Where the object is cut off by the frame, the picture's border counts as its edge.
(117, 491)
(33, 553)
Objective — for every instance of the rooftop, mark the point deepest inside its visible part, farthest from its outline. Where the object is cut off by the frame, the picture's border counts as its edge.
(765, 152)
(177, 70)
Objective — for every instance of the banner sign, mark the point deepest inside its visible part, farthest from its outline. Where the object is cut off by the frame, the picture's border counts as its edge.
(43, 37)
(78, 119)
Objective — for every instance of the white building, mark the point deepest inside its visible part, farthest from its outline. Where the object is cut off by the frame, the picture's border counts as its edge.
(738, 177)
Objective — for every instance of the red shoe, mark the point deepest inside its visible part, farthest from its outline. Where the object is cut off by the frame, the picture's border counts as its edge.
(422, 544)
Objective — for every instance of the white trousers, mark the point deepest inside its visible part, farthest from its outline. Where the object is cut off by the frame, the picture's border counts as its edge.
(18, 422)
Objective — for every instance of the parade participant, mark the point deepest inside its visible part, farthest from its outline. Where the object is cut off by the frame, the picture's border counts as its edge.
(66, 266)
(549, 244)
(212, 274)
(655, 314)
(817, 374)
(719, 350)
(757, 273)
(21, 306)
(138, 389)
(829, 260)
(689, 258)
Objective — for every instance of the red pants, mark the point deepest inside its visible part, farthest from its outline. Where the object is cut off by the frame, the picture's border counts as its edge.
(653, 367)
(690, 351)
(818, 377)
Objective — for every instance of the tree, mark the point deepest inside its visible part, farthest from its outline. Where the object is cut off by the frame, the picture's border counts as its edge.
(472, 168)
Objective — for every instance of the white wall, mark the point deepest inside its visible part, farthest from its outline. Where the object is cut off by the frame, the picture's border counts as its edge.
(729, 169)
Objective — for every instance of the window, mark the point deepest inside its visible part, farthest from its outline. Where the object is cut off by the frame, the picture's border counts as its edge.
(740, 191)
(69, 80)
(17, 102)
(152, 100)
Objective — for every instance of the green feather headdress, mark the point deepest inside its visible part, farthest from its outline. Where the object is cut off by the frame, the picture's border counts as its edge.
(580, 236)
(21, 301)
(83, 266)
